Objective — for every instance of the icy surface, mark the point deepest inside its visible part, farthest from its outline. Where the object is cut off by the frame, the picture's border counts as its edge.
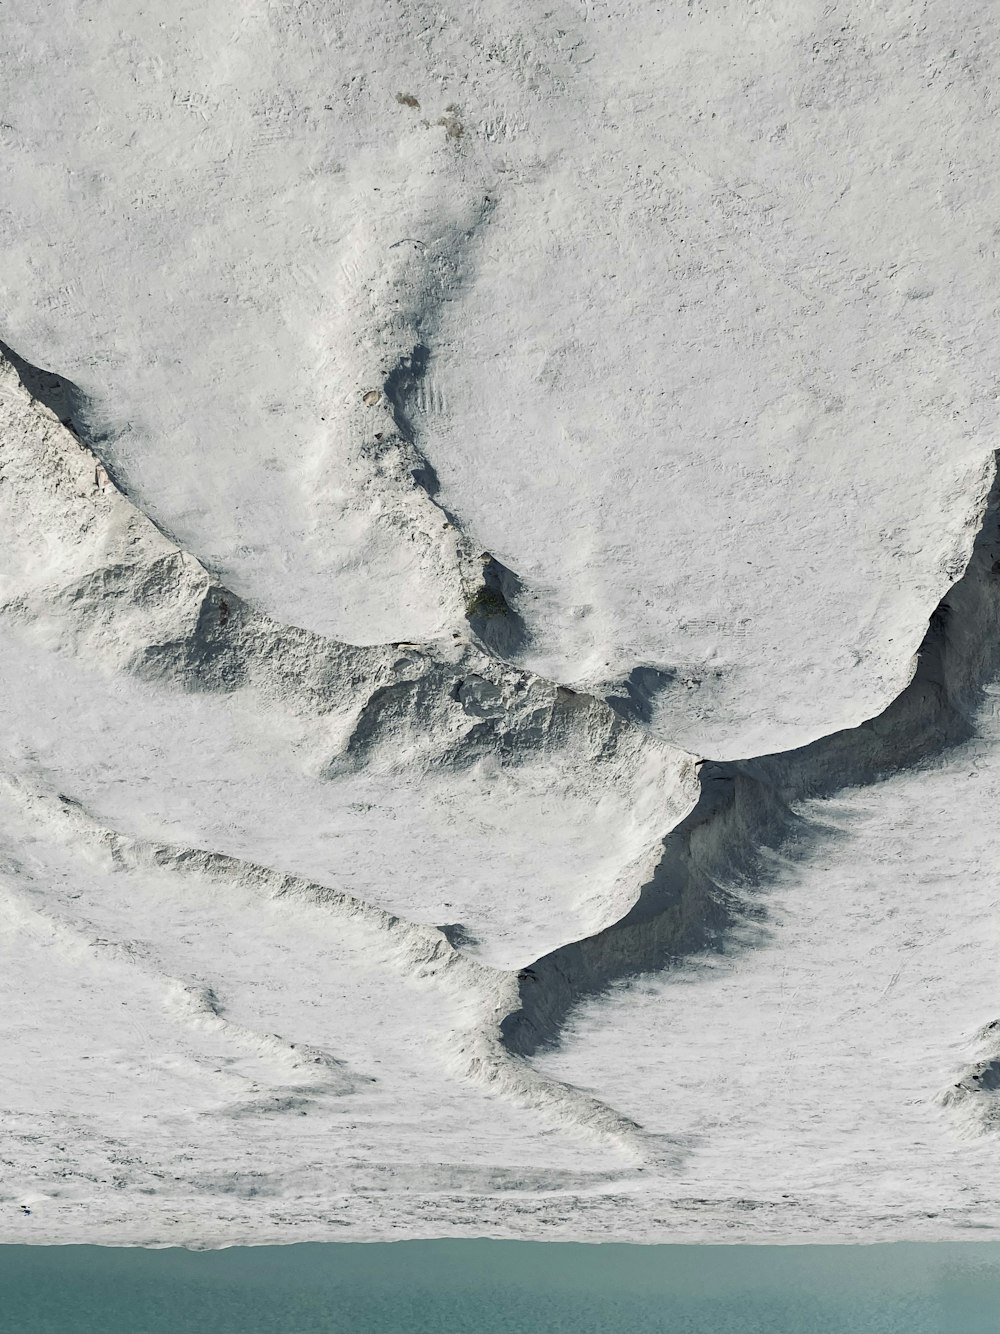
(803, 1059)
(499, 621)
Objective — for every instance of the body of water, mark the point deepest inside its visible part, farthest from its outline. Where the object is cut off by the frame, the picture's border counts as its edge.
(491, 1287)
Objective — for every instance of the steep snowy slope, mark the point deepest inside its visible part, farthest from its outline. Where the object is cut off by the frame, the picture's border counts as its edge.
(499, 621)
(686, 308)
(445, 786)
(848, 1032)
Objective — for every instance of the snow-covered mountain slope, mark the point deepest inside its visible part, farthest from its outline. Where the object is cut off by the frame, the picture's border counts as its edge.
(440, 785)
(499, 621)
(848, 1031)
(687, 311)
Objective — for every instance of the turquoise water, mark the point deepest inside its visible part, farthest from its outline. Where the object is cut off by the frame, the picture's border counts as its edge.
(492, 1287)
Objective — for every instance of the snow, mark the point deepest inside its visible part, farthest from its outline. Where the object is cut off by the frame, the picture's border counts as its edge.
(447, 789)
(497, 618)
(809, 1058)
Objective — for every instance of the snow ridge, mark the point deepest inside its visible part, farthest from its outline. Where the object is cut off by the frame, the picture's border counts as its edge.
(142, 607)
(145, 608)
(749, 812)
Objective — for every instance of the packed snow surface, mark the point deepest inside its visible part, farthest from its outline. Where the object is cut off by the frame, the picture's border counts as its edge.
(499, 621)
